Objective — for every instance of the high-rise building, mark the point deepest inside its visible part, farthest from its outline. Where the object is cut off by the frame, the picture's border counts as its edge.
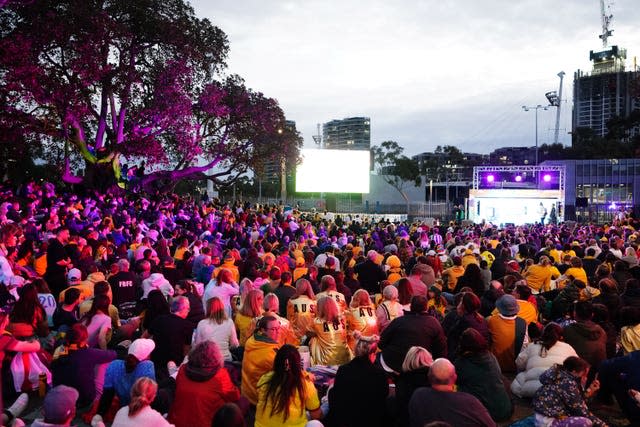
(353, 133)
(609, 90)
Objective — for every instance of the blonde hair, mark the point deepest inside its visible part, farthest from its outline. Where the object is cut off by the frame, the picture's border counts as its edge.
(417, 357)
(252, 304)
(142, 394)
(271, 302)
(328, 310)
(216, 311)
(360, 298)
(365, 345)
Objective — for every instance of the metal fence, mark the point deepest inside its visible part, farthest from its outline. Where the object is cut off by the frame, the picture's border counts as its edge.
(414, 210)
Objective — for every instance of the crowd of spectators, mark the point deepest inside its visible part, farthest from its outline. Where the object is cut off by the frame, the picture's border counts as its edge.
(167, 310)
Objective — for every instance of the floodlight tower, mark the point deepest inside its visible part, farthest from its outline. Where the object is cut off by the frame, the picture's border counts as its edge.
(555, 100)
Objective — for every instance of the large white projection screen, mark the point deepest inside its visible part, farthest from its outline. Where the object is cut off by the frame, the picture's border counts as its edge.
(333, 171)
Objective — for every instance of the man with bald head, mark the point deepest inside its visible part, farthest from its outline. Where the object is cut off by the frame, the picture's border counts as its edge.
(441, 402)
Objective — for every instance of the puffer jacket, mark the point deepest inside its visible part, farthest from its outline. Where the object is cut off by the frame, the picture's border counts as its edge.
(561, 396)
(532, 364)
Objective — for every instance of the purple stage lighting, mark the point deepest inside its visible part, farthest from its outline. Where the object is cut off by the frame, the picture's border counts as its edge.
(546, 177)
(518, 178)
(490, 178)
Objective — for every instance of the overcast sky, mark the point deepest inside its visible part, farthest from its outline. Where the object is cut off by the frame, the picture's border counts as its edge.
(427, 73)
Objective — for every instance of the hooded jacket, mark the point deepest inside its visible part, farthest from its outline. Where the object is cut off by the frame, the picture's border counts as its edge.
(588, 339)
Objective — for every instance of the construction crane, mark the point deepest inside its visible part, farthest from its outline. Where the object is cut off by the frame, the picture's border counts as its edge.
(607, 17)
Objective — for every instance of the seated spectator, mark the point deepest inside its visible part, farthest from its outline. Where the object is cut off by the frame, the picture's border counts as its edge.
(138, 412)
(360, 317)
(286, 392)
(58, 408)
(359, 386)
(561, 401)
(250, 309)
(539, 356)
(415, 328)
(98, 323)
(468, 317)
(301, 308)
(203, 386)
(389, 308)
(621, 376)
(455, 408)
(28, 318)
(588, 339)
(66, 314)
(172, 335)
(415, 374)
(271, 306)
(78, 366)
(186, 288)
(259, 353)
(328, 343)
(101, 288)
(508, 332)
(218, 328)
(630, 331)
(479, 375)
(122, 374)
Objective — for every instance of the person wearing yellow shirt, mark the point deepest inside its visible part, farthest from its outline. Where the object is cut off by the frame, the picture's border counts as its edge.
(301, 308)
(183, 247)
(539, 275)
(250, 309)
(328, 343)
(328, 286)
(453, 273)
(556, 254)
(576, 271)
(259, 353)
(286, 393)
(361, 317)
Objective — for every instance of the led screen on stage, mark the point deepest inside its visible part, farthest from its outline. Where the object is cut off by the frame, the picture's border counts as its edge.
(333, 171)
(513, 206)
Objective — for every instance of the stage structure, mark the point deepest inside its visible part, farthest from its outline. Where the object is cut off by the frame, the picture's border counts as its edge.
(517, 194)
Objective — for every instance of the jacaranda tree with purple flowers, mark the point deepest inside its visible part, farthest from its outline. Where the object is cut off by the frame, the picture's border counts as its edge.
(93, 82)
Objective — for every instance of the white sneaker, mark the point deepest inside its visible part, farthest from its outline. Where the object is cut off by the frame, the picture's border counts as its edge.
(19, 405)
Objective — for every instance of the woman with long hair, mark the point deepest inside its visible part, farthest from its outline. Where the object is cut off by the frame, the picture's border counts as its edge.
(139, 411)
(223, 287)
(250, 309)
(217, 327)
(301, 308)
(286, 393)
(479, 374)
(328, 343)
(562, 399)
(28, 318)
(98, 322)
(539, 356)
(361, 317)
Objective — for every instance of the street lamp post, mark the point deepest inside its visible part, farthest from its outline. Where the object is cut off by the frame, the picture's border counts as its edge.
(536, 108)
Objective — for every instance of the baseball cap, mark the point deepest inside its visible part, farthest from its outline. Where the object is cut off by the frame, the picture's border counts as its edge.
(60, 403)
(74, 275)
(142, 348)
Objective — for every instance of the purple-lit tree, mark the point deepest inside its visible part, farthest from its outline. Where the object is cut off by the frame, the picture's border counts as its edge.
(94, 81)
